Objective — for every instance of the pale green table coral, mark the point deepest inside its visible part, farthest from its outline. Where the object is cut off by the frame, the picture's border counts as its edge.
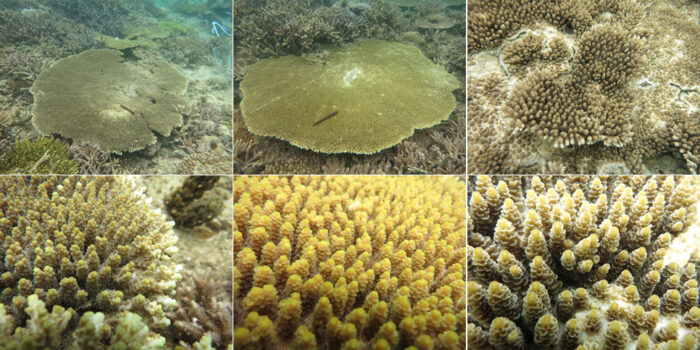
(95, 96)
(382, 91)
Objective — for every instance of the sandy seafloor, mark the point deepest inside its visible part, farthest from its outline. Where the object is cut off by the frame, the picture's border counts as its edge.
(201, 145)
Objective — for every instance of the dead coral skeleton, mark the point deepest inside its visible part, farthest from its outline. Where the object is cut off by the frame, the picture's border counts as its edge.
(92, 160)
(201, 311)
(247, 158)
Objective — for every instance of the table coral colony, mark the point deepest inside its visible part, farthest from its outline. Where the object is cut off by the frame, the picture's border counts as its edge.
(96, 96)
(377, 92)
(349, 262)
(583, 262)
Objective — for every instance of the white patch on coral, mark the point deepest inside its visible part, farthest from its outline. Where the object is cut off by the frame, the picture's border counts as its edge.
(351, 75)
(483, 64)
(354, 205)
(683, 245)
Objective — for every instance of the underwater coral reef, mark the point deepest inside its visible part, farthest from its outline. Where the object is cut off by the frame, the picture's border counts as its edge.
(349, 262)
(583, 262)
(592, 86)
(131, 86)
(339, 106)
(89, 262)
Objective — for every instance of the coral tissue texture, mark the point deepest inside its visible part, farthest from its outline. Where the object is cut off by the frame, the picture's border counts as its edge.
(374, 94)
(81, 244)
(96, 97)
(593, 86)
(582, 263)
(349, 263)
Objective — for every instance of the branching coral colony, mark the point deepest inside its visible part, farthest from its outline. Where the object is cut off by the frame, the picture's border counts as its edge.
(94, 252)
(583, 263)
(595, 86)
(349, 262)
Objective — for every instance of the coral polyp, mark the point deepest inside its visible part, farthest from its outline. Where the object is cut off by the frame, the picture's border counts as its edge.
(349, 262)
(583, 262)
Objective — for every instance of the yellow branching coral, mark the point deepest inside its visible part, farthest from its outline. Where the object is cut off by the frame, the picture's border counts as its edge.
(85, 243)
(598, 258)
(354, 262)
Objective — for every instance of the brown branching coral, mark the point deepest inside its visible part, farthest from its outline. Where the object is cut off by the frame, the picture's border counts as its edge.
(534, 50)
(593, 256)
(48, 33)
(84, 244)
(607, 55)
(384, 20)
(685, 135)
(599, 96)
(490, 23)
(349, 262)
(554, 108)
(198, 203)
(201, 312)
(6, 137)
(293, 27)
(587, 107)
(19, 69)
(93, 161)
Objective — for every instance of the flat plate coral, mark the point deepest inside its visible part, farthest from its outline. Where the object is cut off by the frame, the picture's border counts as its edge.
(435, 21)
(95, 96)
(381, 91)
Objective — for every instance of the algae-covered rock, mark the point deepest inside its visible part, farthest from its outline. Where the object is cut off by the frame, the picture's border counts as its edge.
(379, 91)
(96, 97)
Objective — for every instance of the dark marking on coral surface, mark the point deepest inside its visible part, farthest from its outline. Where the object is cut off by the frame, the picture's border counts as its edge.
(326, 117)
(128, 110)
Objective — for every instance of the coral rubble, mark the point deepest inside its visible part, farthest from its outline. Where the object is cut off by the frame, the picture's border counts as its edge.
(351, 262)
(582, 262)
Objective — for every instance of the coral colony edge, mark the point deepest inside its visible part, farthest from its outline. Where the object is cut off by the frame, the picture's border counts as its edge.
(583, 262)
